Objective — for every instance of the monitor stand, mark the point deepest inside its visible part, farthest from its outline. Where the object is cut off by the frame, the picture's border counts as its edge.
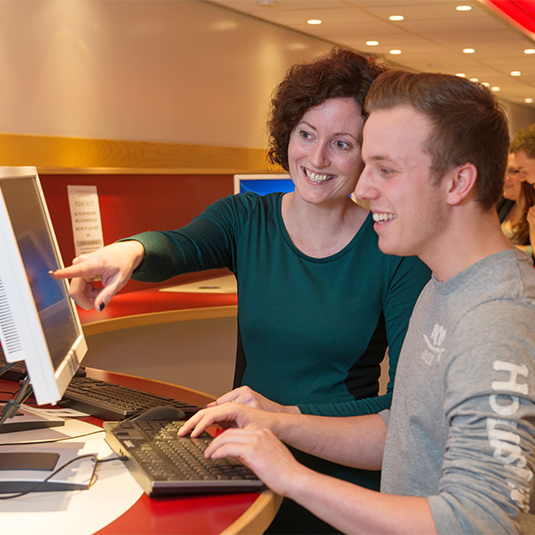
(25, 419)
(24, 468)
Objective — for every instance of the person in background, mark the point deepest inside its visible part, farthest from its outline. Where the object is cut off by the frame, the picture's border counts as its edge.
(318, 302)
(514, 208)
(523, 147)
(457, 447)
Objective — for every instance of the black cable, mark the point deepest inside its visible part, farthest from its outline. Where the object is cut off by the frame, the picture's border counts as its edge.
(13, 405)
(8, 367)
(41, 483)
(26, 390)
(119, 458)
(45, 481)
(11, 394)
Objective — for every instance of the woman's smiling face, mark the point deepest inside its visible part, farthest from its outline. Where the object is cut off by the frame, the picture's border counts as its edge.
(324, 151)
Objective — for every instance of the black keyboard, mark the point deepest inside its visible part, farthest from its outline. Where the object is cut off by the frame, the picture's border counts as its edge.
(165, 464)
(101, 399)
(109, 401)
(17, 372)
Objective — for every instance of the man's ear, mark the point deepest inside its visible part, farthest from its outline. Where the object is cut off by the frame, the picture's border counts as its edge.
(462, 181)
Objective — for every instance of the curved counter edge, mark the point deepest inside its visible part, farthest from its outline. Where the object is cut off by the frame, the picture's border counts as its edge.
(258, 517)
(153, 318)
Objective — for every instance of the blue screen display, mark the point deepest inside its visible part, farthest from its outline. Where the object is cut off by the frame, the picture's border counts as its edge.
(264, 186)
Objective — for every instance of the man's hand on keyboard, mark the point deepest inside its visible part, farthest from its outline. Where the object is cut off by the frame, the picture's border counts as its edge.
(264, 454)
(230, 415)
(255, 442)
(247, 396)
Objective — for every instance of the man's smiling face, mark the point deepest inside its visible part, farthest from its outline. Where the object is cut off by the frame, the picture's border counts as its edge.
(408, 207)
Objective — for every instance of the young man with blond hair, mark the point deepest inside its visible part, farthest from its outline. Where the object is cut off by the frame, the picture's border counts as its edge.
(457, 448)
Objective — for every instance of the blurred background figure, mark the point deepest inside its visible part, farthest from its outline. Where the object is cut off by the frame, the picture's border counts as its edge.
(514, 208)
(517, 209)
(523, 147)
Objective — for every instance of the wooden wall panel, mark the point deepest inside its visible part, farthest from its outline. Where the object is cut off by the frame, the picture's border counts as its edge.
(74, 155)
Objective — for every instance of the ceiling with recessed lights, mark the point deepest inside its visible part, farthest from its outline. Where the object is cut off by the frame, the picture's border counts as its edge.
(433, 35)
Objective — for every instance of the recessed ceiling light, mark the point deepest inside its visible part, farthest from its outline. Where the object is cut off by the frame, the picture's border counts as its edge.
(495, 88)
(461, 75)
(396, 17)
(372, 43)
(463, 8)
(528, 100)
(266, 3)
(515, 73)
(224, 25)
(474, 79)
(469, 50)
(314, 21)
(486, 84)
(395, 52)
(296, 46)
(529, 51)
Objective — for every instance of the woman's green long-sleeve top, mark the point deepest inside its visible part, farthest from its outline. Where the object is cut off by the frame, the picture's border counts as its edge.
(312, 331)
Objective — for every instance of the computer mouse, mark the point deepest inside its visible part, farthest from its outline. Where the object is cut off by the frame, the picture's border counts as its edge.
(80, 372)
(165, 412)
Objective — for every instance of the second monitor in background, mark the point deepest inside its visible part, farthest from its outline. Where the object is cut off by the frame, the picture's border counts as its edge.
(266, 183)
(263, 183)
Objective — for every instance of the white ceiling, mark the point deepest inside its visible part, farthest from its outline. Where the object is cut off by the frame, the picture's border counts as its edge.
(431, 37)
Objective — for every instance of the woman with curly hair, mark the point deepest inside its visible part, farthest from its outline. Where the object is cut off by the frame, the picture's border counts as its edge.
(318, 303)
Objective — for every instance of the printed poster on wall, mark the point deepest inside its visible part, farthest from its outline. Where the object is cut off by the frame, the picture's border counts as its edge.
(85, 217)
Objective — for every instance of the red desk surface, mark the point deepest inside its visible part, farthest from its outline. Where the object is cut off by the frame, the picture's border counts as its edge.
(152, 306)
(186, 515)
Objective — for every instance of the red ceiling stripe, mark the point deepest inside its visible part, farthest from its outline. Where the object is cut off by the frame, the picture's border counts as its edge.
(520, 11)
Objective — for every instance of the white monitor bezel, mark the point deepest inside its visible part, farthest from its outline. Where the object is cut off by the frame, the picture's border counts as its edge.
(27, 340)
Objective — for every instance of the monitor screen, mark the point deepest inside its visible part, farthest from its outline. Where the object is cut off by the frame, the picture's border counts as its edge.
(39, 323)
(263, 184)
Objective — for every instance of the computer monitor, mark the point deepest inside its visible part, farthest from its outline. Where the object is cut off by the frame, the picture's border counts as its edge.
(263, 184)
(39, 323)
